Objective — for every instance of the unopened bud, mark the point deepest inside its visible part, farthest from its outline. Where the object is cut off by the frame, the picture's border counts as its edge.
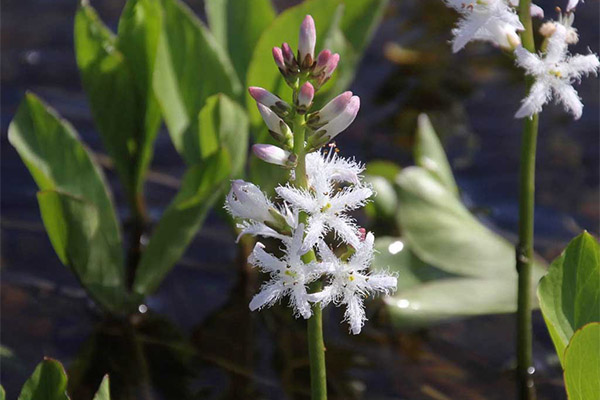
(306, 42)
(273, 122)
(269, 100)
(322, 60)
(246, 200)
(305, 97)
(343, 120)
(331, 110)
(278, 57)
(362, 234)
(272, 154)
(505, 35)
(288, 54)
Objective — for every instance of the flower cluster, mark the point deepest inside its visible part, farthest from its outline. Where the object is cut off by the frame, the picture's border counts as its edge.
(554, 72)
(311, 206)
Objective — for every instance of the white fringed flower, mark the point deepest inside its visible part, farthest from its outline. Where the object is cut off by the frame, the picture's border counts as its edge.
(554, 75)
(351, 282)
(489, 20)
(324, 202)
(289, 275)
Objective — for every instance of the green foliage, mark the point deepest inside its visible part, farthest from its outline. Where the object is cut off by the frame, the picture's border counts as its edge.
(201, 187)
(116, 74)
(449, 257)
(569, 294)
(74, 199)
(582, 363)
(2, 393)
(48, 382)
(73, 226)
(430, 155)
(103, 392)
(237, 26)
(190, 67)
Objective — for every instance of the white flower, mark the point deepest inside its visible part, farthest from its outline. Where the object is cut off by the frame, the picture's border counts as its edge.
(324, 202)
(246, 200)
(351, 282)
(572, 4)
(289, 276)
(488, 20)
(554, 75)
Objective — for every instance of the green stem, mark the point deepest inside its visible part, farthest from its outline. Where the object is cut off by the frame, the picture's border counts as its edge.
(138, 226)
(524, 249)
(316, 346)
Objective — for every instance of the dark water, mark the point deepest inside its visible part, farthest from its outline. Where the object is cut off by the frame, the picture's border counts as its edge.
(199, 340)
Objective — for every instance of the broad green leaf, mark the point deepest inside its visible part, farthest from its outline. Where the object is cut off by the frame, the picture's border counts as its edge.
(443, 299)
(394, 255)
(103, 392)
(74, 228)
(361, 19)
(582, 363)
(190, 67)
(237, 26)
(57, 160)
(2, 393)
(117, 84)
(442, 232)
(48, 382)
(220, 123)
(429, 154)
(201, 186)
(569, 294)
(262, 71)
(383, 168)
(385, 203)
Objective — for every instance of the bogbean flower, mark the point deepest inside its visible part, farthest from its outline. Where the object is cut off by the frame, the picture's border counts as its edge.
(555, 73)
(350, 282)
(289, 275)
(494, 21)
(305, 212)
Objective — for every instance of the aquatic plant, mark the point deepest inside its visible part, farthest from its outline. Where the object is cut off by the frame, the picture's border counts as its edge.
(321, 189)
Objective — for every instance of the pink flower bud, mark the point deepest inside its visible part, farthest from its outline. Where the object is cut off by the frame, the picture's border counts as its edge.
(307, 38)
(362, 234)
(342, 121)
(288, 54)
(278, 57)
(268, 99)
(271, 154)
(322, 60)
(331, 65)
(334, 107)
(305, 97)
(274, 123)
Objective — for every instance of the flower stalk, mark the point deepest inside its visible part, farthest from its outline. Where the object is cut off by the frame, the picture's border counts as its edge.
(524, 250)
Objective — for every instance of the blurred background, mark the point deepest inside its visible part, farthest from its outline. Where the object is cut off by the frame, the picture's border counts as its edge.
(196, 337)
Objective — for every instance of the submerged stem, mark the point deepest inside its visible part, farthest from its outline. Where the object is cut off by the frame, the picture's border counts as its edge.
(316, 346)
(524, 251)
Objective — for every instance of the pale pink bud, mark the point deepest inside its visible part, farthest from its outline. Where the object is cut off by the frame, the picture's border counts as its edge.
(271, 154)
(278, 57)
(342, 121)
(331, 65)
(307, 38)
(249, 201)
(268, 99)
(322, 60)
(288, 54)
(362, 234)
(572, 4)
(334, 107)
(305, 97)
(274, 123)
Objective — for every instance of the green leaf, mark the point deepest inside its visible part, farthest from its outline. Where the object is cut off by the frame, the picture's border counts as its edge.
(442, 232)
(2, 393)
(385, 204)
(103, 392)
(190, 67)
(361, 18)
(569, 294)
(74, 228)
(439, 300)
(237, 26)
(57, 160)
(430, 155)
(48, 382)
(220, 123)
(383, 168)
(262, 71)
(582, 363)
(118, 86)
(201, 186)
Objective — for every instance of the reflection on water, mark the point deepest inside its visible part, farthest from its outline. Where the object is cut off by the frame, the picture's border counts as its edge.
(199, 340)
